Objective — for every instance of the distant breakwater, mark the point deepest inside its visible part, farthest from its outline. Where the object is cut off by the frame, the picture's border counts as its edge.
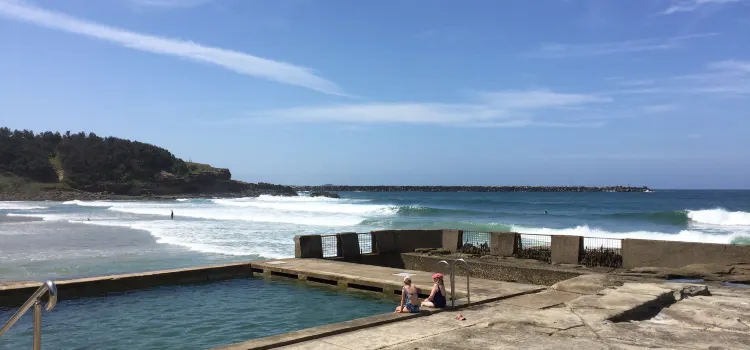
(344, 188)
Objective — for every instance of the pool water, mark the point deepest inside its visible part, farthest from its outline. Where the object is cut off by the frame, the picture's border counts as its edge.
(193, 316)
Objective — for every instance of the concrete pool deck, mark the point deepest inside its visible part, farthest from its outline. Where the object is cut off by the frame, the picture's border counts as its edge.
(345, 275)
(594, 311)
(630, 316)
(387, 280)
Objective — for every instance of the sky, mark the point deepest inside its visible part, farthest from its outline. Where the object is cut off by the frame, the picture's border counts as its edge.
(557, 92)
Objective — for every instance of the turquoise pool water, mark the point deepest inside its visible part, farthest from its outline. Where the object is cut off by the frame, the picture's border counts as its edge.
(193, 316)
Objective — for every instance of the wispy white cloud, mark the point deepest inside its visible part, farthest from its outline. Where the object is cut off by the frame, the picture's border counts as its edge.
(658, 108)
(635, 82)
(239, 62)
(538, 99)
(727, 78)
(630, 156)
(732, 66)
(692, 5)
(169, 3)
(558, 50)
(496, 109)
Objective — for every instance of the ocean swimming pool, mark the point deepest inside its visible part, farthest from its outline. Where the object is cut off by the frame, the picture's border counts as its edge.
(192, 316)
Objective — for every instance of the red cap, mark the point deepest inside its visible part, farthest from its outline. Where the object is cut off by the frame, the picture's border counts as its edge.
(437, 275)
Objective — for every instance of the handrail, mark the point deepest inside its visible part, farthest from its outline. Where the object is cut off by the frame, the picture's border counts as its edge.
(35, 300)
(468, 272)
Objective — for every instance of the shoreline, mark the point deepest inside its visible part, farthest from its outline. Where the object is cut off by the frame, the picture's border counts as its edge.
(69, 195)
(386, 188)
(5, 219)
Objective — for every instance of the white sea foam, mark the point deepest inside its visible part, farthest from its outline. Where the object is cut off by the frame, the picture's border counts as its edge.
(247, 214)
(719, 217)
(261, 226)
(684, 235)
(320, 206)
(45, 217)
(19, 206)
(264, 226)
(89, 203)
(212, 237)
(267, 198)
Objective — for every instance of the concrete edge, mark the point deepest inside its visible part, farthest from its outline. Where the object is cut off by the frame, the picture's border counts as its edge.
(27, 284)
(324, 331)
(13, 295)
(318, 332)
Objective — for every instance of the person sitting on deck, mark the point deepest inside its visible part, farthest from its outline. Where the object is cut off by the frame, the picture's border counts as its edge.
(409, 298)
(437, 295)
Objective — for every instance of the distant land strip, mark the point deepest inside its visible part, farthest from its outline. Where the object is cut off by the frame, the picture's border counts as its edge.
(346, 188)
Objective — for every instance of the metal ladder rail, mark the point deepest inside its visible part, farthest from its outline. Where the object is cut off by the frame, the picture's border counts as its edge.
(468, 273)
(36, 301)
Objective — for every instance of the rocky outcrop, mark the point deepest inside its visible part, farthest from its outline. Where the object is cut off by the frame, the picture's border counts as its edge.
(165, 185)
(217, 182)
(472, 188)
(736, 273)
(324, 194)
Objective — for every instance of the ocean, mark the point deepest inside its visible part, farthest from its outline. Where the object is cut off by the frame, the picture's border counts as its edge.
(78, 238)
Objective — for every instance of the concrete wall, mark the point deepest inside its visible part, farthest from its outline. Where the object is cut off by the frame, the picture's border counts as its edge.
(492, 271)
(503, 243)
(389, 244)
(406, 241)
(308, 246)
(452, 240)
(651, 253)
(566, 249)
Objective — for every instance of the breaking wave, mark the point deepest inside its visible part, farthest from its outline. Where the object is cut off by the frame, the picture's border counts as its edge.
(20, 206)
(718, 217)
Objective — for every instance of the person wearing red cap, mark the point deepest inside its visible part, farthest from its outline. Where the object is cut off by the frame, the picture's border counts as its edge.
(437, 295)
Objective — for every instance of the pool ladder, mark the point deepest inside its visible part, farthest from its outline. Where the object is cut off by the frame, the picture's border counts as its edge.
(451, 265)
(36, 301)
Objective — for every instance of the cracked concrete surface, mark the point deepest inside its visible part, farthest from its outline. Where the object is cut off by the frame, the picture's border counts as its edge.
(580, 319)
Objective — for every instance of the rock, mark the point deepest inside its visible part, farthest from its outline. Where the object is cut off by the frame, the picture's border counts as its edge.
(692, 291)
(743, 279)
(324, 194)
(433, 251)
(165, 189)
(482, 249)
(586, 284)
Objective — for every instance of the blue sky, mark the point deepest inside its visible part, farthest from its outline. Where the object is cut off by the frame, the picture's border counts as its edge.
(557, 92)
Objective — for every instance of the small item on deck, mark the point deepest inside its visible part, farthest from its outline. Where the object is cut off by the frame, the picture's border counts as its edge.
(461, 317)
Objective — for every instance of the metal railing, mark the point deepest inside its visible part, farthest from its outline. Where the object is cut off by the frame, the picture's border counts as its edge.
(36, 301)
(474, 242)
(606, 252)
(365, 243)
(534, 246)
(330, 246)
(452, 274)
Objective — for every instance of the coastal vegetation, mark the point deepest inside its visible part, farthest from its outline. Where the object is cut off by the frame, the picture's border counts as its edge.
(46, 162)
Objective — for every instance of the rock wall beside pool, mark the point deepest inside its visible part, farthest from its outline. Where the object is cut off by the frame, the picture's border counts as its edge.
(543, 275)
